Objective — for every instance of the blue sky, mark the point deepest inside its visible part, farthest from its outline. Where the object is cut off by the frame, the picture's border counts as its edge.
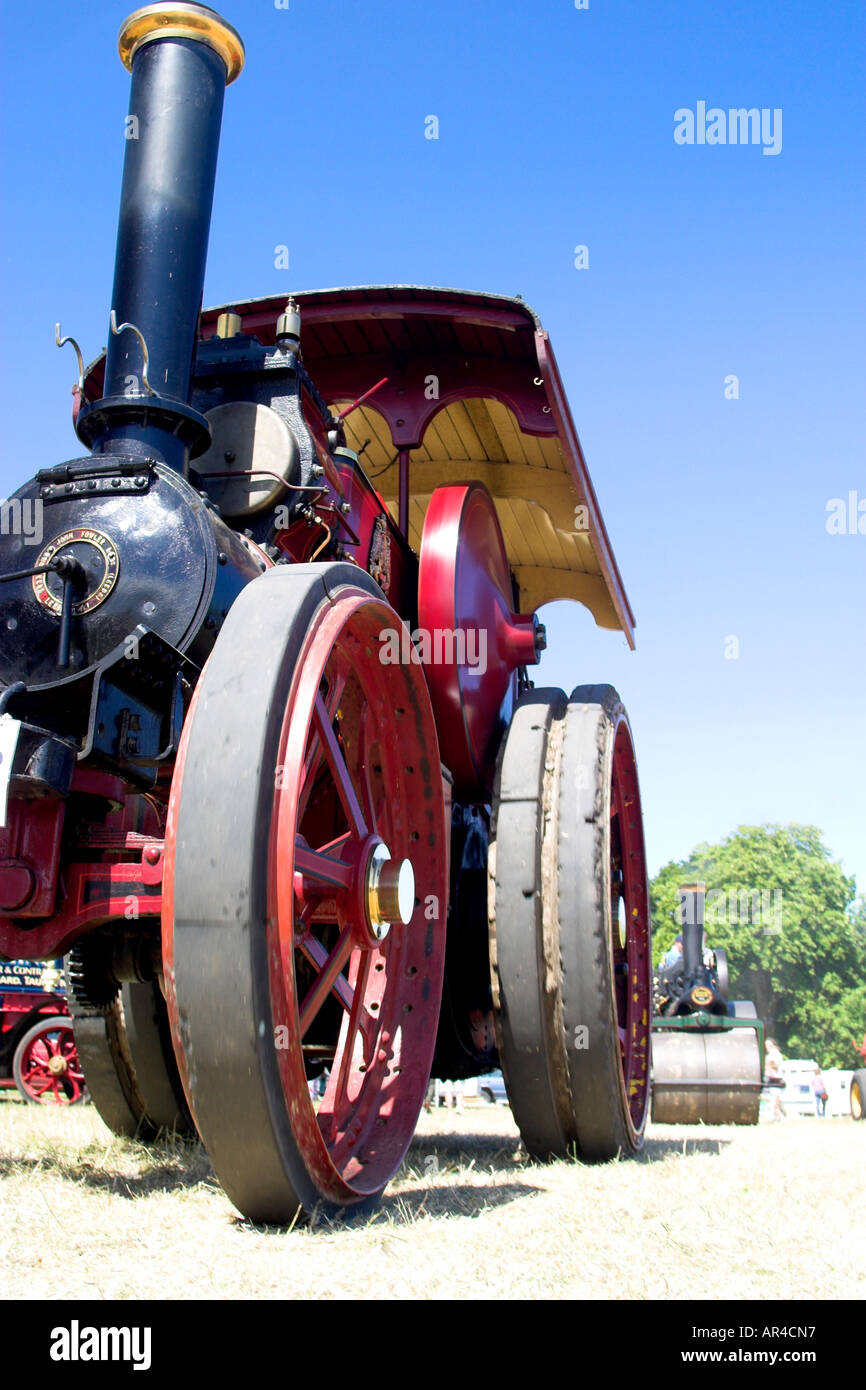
(555, 129)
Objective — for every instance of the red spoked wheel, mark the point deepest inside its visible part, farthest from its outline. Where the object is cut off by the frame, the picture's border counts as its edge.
(570, 943)
(45, 1067)
(306, 896)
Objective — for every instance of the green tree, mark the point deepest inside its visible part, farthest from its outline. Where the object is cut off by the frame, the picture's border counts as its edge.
(796, 942)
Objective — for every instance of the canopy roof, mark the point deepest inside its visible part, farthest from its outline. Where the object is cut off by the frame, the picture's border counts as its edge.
(473, 393)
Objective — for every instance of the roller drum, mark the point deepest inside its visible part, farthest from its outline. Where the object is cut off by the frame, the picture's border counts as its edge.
(711, 1078)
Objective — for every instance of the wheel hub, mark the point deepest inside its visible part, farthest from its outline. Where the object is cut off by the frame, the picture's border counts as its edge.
(57, 1066)
(390, 890)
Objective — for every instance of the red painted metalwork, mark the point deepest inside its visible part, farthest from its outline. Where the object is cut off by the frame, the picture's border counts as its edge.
(406, 409)
(315, 424)
(124, 882)
(404, 493)
(45, 907)
(92, 895)
(378, 303)
(377, 775)
(92, 781)
(167, 901)
(630, 925)
(464, 600)
(369, 536)
(360, 401)
(16, 1004)
(19, 1010)
(30, 1008)
(29, 861)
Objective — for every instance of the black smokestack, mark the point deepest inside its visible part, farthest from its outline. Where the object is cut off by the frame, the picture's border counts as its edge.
(182, 56)
(692, 901)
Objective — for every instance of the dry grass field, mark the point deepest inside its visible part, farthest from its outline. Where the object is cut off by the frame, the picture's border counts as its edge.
(762, 1213)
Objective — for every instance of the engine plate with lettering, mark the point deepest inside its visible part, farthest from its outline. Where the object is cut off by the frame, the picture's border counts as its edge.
(96, 552)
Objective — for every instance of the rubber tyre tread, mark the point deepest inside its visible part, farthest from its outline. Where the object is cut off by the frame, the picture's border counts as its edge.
(597, 1087)
(107, 1071)
(131, 1073)
(220, 971)
(858, 1079)
(550, 929)
(157, 1078)
(524, 1010)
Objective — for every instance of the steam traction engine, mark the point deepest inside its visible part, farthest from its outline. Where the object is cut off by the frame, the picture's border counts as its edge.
(708, 1050)
(276, 777)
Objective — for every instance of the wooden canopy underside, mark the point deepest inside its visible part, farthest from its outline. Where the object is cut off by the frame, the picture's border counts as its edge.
(473, 392)
(479, 439)
(501, 417)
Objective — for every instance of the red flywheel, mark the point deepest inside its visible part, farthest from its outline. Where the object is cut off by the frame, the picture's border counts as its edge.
(469, 639)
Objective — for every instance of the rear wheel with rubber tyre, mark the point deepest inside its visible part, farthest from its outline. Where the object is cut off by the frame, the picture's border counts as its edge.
(129, 1065)
(570, 924)
(305, 895)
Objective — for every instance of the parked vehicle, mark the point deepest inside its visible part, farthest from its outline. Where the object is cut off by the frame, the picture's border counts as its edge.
(37, 1045)
(491, 1088)
(708, 1050)
(797, 1097)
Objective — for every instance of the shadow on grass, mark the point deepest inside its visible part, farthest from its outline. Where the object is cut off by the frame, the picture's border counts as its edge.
(187, 1167)
(495, 1153)
(455, 1199)
(402, 1209)
(491, 1153)
(434, 1165)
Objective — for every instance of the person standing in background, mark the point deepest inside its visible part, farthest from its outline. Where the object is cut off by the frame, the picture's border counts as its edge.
(819, 1091)
(775, 1079)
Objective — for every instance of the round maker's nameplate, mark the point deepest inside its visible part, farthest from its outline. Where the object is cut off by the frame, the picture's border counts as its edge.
(102, 569)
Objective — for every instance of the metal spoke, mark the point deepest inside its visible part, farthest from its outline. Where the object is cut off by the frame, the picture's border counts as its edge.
(314, 748)
(337, 764)
(359, 1021)
(365, 768)
(322, 868)
(330, 976)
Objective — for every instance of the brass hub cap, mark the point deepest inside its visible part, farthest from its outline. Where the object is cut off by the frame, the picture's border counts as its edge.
(390, 891)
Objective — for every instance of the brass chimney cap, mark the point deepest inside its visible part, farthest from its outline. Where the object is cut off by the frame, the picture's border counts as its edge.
(166, 20)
